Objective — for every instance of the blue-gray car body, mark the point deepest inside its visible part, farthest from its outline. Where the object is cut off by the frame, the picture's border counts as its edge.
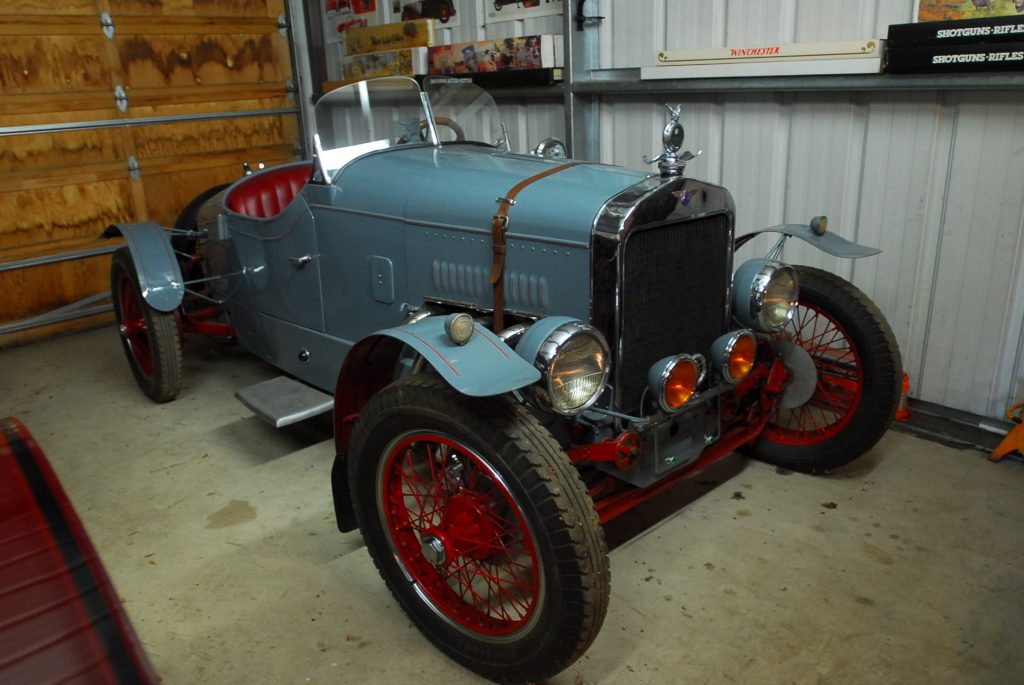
(335, 269)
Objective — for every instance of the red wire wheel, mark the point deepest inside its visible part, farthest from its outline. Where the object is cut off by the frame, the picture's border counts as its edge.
(858, 371)
(151, 338)
(459, 534)
(132, 326)
(839, 386)
(480, 526)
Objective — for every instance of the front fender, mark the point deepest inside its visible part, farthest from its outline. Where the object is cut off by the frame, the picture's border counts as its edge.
(483, 366)
(827, 242)
(159, 274)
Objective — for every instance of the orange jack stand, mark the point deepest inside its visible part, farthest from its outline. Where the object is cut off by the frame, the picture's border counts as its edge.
(1014, 440)
(903, 412)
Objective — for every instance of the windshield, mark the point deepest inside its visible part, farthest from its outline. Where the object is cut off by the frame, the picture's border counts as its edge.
(380, 113)
(366, 116)
(464, 112)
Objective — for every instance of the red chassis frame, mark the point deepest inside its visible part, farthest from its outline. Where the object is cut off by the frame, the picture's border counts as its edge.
(202, 319)
(613, 497)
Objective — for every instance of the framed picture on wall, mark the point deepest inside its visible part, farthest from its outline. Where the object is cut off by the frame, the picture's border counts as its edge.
(507, 10)
(345, 7)
(342, 15)
(446, 13)
(944, 10)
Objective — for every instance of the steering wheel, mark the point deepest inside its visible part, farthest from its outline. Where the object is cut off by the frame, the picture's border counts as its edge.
(448, 123)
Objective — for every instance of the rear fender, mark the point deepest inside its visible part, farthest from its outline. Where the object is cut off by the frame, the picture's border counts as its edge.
(826, 242)
(159, 273)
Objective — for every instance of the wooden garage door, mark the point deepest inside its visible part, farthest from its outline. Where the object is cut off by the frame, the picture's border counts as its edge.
(204, 87)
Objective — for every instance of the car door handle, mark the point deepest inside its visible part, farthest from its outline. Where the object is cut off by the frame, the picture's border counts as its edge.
(301, 261)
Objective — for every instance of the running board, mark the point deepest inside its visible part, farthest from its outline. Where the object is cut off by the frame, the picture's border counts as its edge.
(283, 401)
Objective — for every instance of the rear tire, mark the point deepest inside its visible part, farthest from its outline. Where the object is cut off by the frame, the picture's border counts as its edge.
(859, 374)
(480, 527)
(151, 339)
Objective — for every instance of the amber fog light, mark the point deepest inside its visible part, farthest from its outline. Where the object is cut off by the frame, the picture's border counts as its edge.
(735, 353)
(674, 380)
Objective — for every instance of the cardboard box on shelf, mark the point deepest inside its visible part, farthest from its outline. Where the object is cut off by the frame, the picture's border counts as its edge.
(406, 34)
(404, 62)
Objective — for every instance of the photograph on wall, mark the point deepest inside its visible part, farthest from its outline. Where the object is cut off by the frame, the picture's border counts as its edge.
(340, 16)
(351, 6)
(946, 10)
(445, 12)
(507, 10)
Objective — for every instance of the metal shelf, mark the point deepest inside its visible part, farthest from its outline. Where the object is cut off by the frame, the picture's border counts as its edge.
(553, 92)
(627, 81)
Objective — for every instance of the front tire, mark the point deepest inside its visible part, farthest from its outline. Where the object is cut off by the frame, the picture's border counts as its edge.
(857, 388)
(480, 527)
(151, 339)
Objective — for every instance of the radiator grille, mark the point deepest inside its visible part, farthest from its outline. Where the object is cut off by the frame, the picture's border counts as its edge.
(675, 280)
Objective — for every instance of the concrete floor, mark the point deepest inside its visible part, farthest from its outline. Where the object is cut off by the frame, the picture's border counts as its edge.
(218, 531)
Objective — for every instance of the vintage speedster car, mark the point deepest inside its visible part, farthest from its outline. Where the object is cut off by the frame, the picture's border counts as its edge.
(516, 349)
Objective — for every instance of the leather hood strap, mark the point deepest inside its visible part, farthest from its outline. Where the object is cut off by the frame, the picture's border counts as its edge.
(499, 227)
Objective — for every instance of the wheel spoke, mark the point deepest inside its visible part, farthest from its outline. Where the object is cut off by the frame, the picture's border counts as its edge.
(826, 398)
(134, 330)
(483, 604)
(439, 494)
(417, 488)
(133, 326)
(839, 385)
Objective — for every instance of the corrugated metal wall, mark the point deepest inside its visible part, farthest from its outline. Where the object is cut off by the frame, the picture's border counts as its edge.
(934, 178)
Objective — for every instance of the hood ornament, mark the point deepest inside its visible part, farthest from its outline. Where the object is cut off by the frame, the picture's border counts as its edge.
(671, 164)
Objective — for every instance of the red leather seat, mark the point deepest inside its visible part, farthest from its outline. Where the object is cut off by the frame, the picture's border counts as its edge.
(267, 193)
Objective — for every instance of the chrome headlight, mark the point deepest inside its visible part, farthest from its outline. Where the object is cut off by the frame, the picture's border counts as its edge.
(573, 360)
(764, 294)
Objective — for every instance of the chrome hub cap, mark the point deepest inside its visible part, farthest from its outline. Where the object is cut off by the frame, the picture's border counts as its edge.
(433, 550)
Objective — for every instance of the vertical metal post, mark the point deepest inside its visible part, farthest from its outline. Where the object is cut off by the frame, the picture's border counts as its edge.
(304, 36)
(582, 111)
